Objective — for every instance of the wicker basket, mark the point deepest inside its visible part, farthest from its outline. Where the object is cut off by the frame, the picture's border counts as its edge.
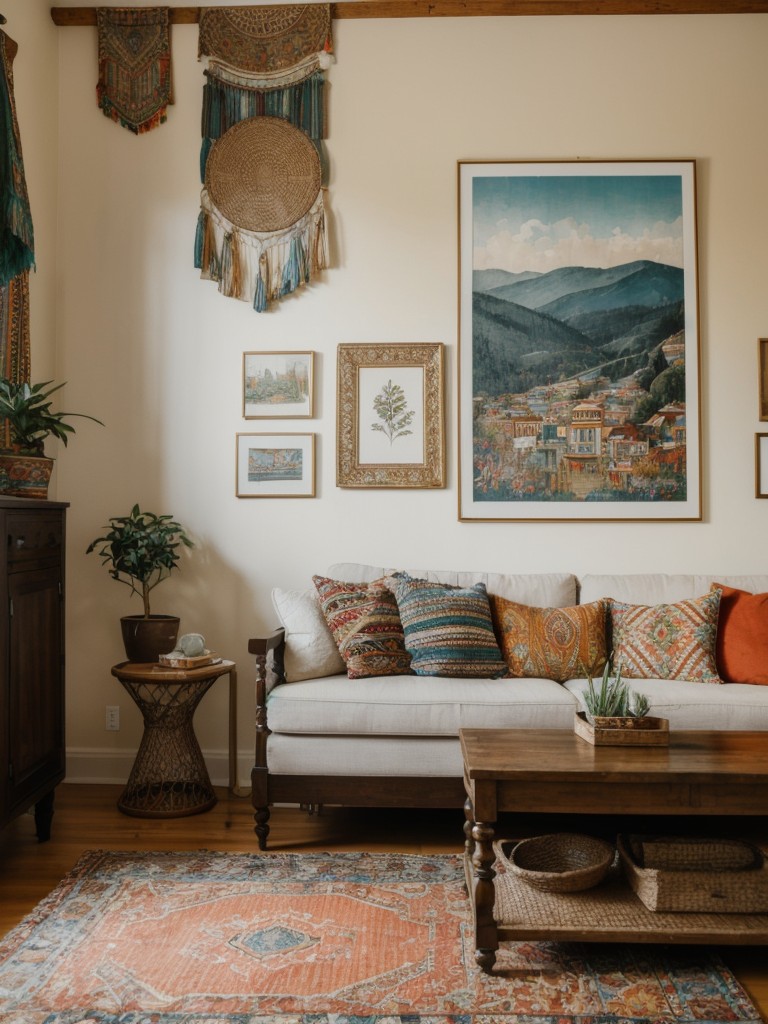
(695, 875)
(563, 862)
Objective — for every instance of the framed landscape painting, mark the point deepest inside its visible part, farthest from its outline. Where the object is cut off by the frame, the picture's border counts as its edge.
(578, 341)
(275, 466)
(277, 385)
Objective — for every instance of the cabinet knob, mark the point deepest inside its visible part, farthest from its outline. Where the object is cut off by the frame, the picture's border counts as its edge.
(20, 542)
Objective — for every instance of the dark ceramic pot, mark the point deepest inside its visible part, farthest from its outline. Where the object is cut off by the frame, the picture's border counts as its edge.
(146, 639)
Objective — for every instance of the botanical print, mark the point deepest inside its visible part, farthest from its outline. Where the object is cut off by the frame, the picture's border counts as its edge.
(275, 464)
(579, 341)
(391, 415)
(391, 407)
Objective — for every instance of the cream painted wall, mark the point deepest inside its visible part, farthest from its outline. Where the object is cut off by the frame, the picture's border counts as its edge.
(157, 353)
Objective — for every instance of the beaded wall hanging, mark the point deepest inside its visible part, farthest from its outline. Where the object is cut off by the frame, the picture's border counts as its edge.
(261, 230)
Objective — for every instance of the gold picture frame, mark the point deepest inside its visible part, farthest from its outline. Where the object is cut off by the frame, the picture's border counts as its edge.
(761, 465)
(762, 360)
(390, 415)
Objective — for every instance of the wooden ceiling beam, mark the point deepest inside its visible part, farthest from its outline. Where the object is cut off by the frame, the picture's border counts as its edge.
(73, 16)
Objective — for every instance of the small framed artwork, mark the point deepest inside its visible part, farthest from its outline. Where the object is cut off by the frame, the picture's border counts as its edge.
(762, 358)
(275, 466)
(578, 341)
(761, 465)
(389, 415)
(277, 385)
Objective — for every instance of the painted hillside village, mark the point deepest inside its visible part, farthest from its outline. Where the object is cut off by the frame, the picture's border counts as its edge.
(588, 405)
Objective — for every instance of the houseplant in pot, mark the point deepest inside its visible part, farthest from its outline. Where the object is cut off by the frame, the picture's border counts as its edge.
(27, 420)
(141, 550)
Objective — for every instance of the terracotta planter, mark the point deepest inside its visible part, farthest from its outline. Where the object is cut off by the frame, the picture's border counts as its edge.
(146, 639)
(25, 476)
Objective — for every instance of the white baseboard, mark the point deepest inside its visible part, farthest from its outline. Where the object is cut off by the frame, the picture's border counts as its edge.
(94, 765)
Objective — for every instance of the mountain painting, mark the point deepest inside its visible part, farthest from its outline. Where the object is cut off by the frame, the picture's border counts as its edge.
(579, 343)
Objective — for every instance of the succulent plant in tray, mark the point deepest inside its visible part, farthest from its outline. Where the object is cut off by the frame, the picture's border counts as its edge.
(613, 698)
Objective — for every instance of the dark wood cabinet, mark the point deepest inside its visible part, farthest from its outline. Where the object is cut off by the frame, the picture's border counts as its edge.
(32, 754)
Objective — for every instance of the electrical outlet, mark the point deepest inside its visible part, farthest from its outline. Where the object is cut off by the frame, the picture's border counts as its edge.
(113, 718)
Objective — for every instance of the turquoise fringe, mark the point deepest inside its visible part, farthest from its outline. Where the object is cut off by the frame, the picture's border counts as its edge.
(303, 104)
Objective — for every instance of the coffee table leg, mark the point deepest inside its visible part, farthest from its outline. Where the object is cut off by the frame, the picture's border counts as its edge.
(486, 934)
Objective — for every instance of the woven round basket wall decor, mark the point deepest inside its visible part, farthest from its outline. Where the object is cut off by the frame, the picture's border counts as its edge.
(263, 174)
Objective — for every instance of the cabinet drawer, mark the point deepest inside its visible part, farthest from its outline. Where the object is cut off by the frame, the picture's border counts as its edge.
(32, 538)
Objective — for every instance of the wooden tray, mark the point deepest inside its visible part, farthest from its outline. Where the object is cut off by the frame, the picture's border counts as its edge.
(653, 733)
(199, 661)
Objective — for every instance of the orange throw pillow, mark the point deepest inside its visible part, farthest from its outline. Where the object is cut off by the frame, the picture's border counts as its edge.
(742, 636)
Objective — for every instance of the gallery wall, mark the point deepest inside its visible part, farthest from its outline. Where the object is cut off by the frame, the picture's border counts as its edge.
(157, 353)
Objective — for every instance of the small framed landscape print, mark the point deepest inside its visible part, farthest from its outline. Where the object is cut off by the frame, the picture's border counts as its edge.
(578, 341)
(761, 465)
(275, 466)
(277, 385)
(389, 416)
(762, 357)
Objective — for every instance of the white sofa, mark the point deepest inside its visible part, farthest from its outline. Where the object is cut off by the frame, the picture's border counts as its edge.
(322, 738)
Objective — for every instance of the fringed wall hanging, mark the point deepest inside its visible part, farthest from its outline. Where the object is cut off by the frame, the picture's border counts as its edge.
(17, 243)
(261, 231)
(134, 86)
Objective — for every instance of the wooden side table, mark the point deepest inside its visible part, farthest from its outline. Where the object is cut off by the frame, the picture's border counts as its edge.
(169, 778)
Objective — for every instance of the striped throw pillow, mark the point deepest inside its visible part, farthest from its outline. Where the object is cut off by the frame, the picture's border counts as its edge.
(365, 624)
(448, 630)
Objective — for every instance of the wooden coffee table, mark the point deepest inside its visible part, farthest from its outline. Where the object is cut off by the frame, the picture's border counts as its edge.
(554, 771)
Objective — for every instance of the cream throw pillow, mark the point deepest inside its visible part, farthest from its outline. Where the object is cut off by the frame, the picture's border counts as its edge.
(310, 650)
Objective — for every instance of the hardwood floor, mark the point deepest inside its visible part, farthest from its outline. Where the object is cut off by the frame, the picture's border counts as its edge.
(86, 818)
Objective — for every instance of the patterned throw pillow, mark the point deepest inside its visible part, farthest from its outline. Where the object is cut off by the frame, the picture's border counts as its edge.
(365, 624)
(742, 636)
(552, 643)
(448, 630)
(667, 641)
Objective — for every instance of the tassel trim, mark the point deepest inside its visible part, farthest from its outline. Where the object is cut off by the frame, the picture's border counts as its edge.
(260, 267)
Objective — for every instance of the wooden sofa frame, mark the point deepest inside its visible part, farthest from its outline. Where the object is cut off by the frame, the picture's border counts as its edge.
(312, 791)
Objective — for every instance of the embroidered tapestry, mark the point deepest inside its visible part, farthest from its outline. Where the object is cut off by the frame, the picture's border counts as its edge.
(17, 244)
(262, 228)
(134, 86)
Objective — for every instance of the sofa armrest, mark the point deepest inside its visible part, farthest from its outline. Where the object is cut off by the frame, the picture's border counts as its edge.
(269, 670)
(269, 652)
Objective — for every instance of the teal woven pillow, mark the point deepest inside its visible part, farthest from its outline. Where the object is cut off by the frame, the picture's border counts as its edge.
(448, 630)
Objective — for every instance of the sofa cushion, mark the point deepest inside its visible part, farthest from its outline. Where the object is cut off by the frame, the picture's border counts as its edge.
(556, 643)
(310, 650)
(417, 706)
(448, 630)
(689, 705)
(365, 623)
(742, 636)
(659, 587)
(543, 589)
(667, 641)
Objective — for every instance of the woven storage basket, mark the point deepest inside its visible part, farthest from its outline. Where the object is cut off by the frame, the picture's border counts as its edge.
(562, 862)
(695, 875)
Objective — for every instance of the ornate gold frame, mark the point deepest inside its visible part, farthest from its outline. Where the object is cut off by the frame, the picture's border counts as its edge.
(429, 471)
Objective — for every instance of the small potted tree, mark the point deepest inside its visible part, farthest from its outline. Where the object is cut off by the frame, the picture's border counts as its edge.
(26, 420)
(141, 550)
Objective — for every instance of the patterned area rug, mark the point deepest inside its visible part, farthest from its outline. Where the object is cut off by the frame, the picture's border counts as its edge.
(350, 938)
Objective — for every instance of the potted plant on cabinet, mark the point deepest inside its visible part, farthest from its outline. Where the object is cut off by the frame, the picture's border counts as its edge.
(141, 550)
(25, 470)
